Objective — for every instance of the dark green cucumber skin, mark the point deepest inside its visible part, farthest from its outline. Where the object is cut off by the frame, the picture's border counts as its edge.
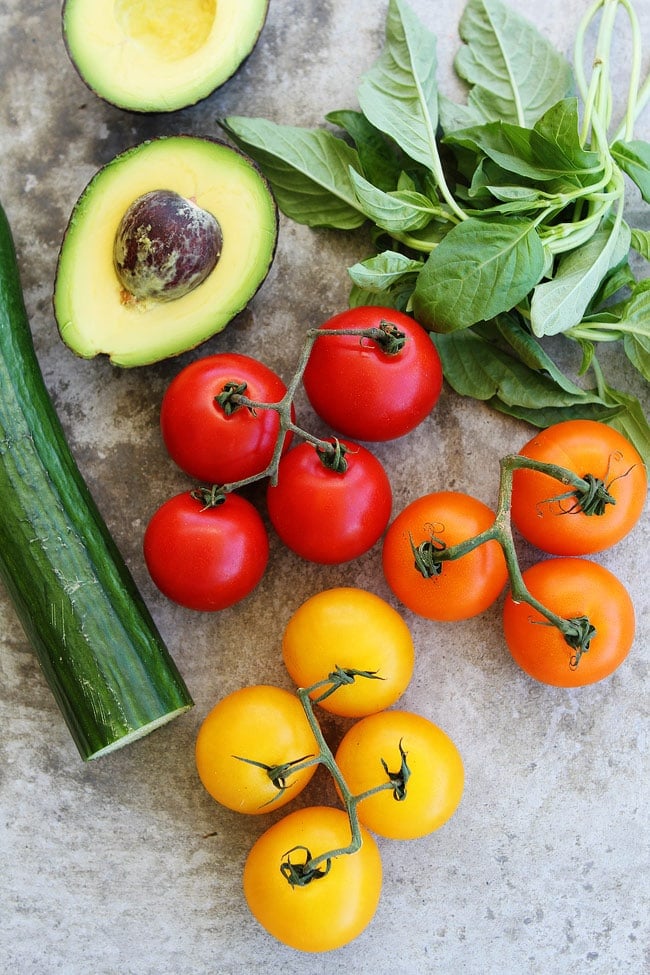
(99, 648)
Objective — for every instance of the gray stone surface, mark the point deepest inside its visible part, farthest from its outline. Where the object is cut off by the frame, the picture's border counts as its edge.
(105, 868)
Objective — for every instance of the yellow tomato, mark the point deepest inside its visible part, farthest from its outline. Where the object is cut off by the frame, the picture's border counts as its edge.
(434, 786)
(250, 731)
(329, 911)
(350, 628)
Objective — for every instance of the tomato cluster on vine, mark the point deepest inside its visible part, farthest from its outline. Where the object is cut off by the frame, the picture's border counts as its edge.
(227, 419)
(314, 878)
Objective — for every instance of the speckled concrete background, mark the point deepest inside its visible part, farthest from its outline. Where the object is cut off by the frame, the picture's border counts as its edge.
(105, 868)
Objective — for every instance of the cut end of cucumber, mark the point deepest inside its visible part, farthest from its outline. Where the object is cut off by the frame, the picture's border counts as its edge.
(136, 733)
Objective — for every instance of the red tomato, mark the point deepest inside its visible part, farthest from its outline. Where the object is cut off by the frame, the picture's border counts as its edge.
(571, 588)
(202, 437)
(326, 516)
(465, 586)
(206, 558)
(364, 392)
(556, 523)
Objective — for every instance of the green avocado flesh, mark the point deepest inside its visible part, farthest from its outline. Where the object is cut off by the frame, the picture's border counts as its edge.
(159, 55)
(96, 314)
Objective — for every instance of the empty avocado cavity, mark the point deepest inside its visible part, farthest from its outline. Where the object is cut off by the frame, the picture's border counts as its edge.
(159, 55)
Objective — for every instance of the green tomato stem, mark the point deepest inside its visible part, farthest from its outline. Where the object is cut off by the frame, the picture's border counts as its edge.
(389, 339)
(577, 632)
(312, 867)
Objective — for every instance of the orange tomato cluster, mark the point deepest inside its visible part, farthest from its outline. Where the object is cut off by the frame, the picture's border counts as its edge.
(555, 519)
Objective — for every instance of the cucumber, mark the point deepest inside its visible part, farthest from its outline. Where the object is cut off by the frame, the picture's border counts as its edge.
(107, 665)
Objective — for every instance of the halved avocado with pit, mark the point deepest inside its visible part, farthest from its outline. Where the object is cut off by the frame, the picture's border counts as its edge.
(94, 310)
(159, 55)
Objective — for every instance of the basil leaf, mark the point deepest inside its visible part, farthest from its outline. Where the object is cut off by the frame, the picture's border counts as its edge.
(514, 72)
(548, 151)
(474, 367)
(386, 279)
(556, 135)
(453, 116)
(395, 212)
(380, 162)
(637, 349)
(630, 420)
(399, 94)
(634, 159)
(529, 351)
(384, 271)
(481, 268)
(561, 302)
(308, 169)
(547, 416)
(507, 145)
(641, 242)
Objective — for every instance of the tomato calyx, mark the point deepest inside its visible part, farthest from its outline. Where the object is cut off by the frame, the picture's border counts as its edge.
(592, 497)
(388, 336)
(230, 398)
(593, 500)
(580, 639)
(578, 632)
(280, 774)
(426, 556)
(397, 779)
(301, 874)
(332, 455)
(340, 677)
(209, 497)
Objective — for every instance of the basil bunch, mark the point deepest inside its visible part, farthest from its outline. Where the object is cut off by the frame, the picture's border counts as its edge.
(497, 223)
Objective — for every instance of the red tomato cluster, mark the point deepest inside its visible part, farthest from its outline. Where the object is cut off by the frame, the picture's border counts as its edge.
(330, 501)
(259, 747)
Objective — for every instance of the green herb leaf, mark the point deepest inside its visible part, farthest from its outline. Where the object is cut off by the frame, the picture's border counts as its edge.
(531, 352)
(308, 169)
(630, 420)
(381, 163)
(637, 349)
(546, 416)
(385, 270)
(556, 137)
(475, 367)
(396, 212)
(560, 303)
(641, 242)
(399, 94)
(514, 72)
(634, 159)
(481, 268)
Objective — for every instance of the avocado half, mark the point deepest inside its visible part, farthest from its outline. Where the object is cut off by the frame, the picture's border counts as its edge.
(95, 315)
(159, 55)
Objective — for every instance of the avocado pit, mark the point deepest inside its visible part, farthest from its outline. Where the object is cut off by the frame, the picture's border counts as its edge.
(165, 246)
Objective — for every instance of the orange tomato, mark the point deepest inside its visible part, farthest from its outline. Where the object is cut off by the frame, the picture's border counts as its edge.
(557, 524)
(571, 588)
(465, 586)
